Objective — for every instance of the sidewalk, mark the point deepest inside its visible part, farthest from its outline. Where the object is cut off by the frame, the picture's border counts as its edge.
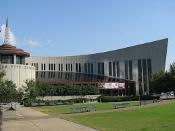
(27, 119)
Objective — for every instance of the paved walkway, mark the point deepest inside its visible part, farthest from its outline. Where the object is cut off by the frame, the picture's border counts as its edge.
(27, 119)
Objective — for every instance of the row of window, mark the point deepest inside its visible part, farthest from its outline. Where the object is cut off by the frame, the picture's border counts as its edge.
(144, 68)
(144, 75)
(128, 70)
(88, 68)
(9, 59)
(114, 69)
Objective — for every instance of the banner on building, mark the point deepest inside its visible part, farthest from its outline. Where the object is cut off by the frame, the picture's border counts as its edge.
(114, 85)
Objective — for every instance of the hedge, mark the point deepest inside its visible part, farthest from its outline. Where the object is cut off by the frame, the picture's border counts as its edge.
(28, 102)
(125, 98)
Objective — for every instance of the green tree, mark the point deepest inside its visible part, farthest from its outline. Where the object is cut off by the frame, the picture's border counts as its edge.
(163, 81)
(30, 89)
(8, 92)
(172, 69)
(2, 74)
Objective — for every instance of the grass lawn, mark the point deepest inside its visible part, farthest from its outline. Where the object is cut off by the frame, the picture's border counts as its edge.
(64, 109)
(160, 117)
(157, 118)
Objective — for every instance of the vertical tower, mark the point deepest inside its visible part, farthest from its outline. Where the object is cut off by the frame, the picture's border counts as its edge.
(6, 37)
(9, 54)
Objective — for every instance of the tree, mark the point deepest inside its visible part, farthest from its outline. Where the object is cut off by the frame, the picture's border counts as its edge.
(8, 92)
(172, 69)
(2, 74)
(163, 81)
(30, 89)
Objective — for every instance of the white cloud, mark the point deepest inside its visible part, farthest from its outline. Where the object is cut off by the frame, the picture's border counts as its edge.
(50, 43)
(12, 38)
(33, 43)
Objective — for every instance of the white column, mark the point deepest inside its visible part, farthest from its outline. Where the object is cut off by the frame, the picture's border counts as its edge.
(14, 59)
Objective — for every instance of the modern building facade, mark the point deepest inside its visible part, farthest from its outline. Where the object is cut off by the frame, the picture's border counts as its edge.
(12, 61)
(132, 64)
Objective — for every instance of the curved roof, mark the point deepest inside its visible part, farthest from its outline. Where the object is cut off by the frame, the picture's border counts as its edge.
(10, 50)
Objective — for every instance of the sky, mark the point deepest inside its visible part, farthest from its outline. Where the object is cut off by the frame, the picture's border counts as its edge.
(75, 27)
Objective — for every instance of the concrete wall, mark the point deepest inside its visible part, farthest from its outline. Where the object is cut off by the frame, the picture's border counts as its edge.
(18, 73)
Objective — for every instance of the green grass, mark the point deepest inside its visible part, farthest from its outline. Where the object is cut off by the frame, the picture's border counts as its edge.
(152, 118)
(64, 109)
(158, 118)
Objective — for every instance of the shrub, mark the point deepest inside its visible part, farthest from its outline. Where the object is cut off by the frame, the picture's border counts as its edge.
(125, 98)
(28, 102)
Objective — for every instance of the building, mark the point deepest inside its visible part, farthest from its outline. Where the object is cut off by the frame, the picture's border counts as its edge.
(133, 66)
(12, 61)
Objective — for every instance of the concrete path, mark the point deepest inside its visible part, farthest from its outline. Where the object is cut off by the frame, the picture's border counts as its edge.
(27, 119)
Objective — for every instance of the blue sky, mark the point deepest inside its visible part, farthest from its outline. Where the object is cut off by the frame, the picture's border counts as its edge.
(73, 27)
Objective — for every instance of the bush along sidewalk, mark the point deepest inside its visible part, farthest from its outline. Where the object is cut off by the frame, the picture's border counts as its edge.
(36, 102)
(125, 98)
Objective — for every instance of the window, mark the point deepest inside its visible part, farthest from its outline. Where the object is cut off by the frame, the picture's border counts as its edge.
(76, 67)
(61, 67)
(44, 66)
(92, 68)
(114, 68)
(79, 67)
(70, 67)
(110, 69)
(118, 69)
(36, 65)
(149, 68)
(41, 66)
(139, 70)
(130, 70)
(126, 69)
(66, 67)
(100, 68)
(85, 67)
(54, 67)
(89, 68)
(49, 67)
(144, 74)
(7, 59)
(18, 60)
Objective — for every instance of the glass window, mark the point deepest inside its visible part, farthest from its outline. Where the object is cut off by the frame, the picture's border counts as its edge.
(130, 70)
(85, 67)
(79, 67)
(114, 68)
(118, 69)
(18, 60)
(92, 68)
(101, 68)
(149, 68)
(110, 69)
(7, 59)
(76, 67)
(126, 69)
